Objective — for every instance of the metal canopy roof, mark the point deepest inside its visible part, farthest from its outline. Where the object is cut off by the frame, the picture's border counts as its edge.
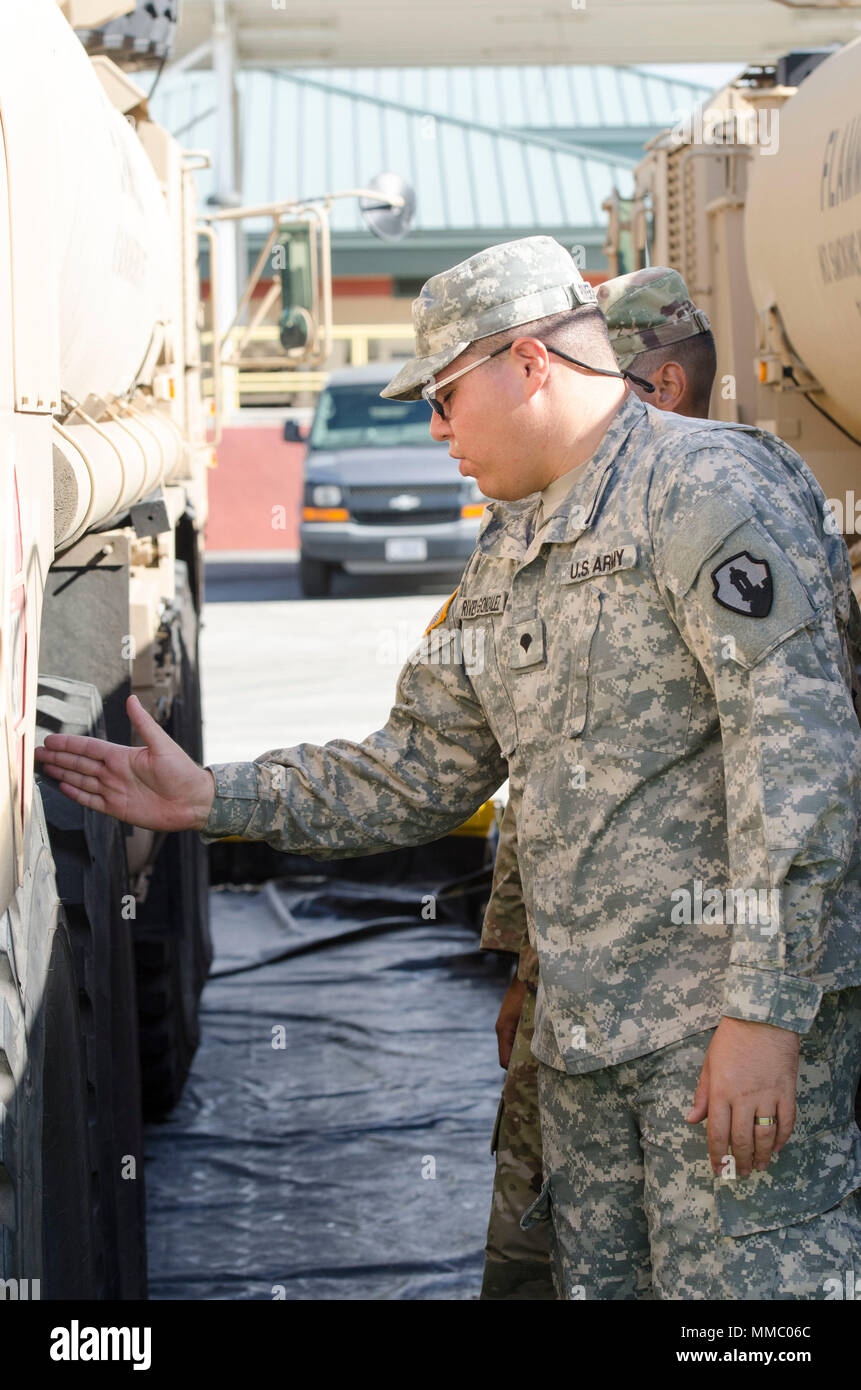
(465, 145)
(356, 33)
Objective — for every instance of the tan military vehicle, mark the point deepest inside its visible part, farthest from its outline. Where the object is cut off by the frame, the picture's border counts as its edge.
(104, 932)
(756, 200)
(104, 936)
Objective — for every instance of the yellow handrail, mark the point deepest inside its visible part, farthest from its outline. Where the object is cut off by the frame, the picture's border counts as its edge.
(254, 380)
(268, 332)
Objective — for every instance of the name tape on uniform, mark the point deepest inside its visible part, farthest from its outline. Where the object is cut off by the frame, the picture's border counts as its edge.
(483, 604)
(604, 562)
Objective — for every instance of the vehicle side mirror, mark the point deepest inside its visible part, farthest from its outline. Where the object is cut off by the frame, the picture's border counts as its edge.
(291, 433)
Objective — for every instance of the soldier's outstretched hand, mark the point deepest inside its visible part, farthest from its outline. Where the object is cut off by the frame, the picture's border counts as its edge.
(157, 786)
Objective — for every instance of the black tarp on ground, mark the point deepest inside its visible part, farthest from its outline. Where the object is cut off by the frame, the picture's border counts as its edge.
(302, 1166)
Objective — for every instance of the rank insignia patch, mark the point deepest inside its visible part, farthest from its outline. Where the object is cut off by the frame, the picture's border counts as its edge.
(526, 643)
(744, 585)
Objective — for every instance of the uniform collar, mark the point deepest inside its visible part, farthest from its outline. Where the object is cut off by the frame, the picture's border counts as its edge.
(507, 527)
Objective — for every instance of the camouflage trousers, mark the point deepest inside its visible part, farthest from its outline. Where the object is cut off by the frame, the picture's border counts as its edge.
(517, 1262)
(636, 1213)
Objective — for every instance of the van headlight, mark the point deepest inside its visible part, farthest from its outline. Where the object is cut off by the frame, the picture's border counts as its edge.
(475, 503)
(326, 495)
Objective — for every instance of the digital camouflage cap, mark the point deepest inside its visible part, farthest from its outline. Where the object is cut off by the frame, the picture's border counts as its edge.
(506, 285)
(647, 309)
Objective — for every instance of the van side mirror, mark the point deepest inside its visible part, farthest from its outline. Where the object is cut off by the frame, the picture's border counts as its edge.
(291, 433)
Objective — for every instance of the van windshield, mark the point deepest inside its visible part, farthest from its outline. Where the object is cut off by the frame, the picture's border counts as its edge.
(354, 417)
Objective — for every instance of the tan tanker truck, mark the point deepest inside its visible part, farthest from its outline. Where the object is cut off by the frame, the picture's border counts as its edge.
(104, 936)
(104, 931)
(756, 200)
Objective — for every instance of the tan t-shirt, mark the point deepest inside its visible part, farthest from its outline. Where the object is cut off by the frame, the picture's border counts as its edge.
(554, 494)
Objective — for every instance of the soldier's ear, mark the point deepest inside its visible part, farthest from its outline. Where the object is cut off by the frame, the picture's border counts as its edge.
(671, 385)
(531, 356)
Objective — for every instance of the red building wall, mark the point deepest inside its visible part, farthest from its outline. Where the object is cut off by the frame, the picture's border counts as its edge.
(255, 491)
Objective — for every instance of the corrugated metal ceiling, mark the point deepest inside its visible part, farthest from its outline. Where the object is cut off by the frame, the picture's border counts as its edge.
(465, 139)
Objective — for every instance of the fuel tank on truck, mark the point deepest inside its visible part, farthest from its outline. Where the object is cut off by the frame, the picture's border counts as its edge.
(95, 303)
(803, 233)
(110, 224)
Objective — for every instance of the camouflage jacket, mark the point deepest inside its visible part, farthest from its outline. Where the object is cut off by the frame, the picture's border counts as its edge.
(665, 675)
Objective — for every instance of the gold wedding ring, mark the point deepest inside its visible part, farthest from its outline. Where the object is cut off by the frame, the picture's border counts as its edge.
(768, 1120)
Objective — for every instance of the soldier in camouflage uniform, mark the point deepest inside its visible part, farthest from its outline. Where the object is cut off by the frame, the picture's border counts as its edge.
(517, 1261)
(655, 327)
(658, 332)
(677, 735)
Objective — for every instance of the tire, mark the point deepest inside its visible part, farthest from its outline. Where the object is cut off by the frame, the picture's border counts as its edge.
(92, 880)
(315, 577)
(48, 1227)
(73, 1237)
(173, 946)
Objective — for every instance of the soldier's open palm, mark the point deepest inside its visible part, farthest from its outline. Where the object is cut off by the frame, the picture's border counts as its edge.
(157, 786)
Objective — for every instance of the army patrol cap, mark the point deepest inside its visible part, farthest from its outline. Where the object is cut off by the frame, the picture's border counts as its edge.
(647, 309)
(515, 282)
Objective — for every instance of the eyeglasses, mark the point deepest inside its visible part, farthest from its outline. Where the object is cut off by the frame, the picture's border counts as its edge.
(429, 392)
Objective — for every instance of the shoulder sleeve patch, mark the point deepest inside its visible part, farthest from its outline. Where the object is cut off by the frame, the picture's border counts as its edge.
(440, 615)
(744, 584)
(751, 595)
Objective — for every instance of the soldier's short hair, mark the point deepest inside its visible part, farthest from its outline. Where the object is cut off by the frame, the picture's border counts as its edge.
(581, 331)
(697, 356)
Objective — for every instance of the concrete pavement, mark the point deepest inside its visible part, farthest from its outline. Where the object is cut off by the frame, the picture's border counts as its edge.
(279, 669)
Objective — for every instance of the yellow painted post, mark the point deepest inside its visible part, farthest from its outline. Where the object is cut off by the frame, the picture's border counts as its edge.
(359, 348)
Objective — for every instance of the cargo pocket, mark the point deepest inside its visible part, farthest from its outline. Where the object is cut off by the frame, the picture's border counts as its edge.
(537, 1211)
(821, 1162)
(818, 1173)
(578, 678)
(481, 665)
